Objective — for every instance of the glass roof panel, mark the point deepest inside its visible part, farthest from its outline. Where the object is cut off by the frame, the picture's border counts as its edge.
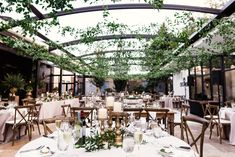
(145, 18)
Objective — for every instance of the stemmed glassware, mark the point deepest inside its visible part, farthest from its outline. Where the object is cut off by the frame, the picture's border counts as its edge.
(138, 137)
(128, 145)
(64, 136)
(57, 124)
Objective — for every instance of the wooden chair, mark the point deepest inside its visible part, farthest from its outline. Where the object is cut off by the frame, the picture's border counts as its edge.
(227, 104)
(22, 117)
(184, 110)
(161, 115)
(66, 115)
(28, 101)
(66, 110)
(86, 112)
(191, 135)
(214, 119)
(36, 113)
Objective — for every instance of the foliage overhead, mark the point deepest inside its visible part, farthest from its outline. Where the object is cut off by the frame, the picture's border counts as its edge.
(160, 56)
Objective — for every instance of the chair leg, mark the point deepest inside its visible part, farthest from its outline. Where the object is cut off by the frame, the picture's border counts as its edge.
(211, 129)
(29, 127)
(220, 134)
(13, 136)
(38, 128)
(182, 132)
(5, 133)
(19, 131)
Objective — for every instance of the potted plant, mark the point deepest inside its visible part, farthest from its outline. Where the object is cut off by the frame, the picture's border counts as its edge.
(13, 83)
(29, 89)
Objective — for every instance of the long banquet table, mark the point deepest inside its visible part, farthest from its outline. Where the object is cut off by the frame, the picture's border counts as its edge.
(53, 108)
(151, 148)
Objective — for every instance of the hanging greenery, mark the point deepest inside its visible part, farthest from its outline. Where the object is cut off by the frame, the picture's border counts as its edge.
(157, 57)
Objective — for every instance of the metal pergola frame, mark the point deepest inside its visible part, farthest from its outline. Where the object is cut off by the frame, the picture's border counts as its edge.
(225, 11)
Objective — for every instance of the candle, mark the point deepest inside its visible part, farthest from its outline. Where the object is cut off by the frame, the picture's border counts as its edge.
(102, 113)
(117, 107)
(109, 101)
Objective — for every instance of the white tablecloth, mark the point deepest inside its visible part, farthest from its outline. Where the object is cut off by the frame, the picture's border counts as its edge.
(53, 108)
(229, 113)
(150, 149)
(133, 101)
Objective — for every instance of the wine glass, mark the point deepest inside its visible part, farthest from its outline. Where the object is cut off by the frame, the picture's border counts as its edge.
(128, 145)
(57, 124)
(138, 137)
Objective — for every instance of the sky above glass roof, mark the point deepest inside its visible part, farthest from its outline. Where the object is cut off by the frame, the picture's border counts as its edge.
(133, 18)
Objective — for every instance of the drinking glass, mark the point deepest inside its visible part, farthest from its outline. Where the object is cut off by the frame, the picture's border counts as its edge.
(138, 137)
(57, 124)
(62, 143)
(128, 145)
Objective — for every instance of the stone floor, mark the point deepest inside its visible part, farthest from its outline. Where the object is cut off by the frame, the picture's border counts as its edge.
(212, 147)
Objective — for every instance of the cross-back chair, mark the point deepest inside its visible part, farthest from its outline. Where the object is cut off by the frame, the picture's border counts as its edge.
(66, 110)
(184, 110)
(36, 113)
(22, 117)
(86, 111)
(214, 119)
(192, 136)
(161, 115)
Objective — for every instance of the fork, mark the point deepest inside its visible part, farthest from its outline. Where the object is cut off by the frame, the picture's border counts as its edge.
(29, 150)
(52, 152)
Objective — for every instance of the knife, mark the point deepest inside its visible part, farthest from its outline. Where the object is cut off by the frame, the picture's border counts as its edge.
(29, 150)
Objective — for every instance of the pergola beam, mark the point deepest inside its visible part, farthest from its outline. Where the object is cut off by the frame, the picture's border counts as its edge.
(107, 37)
(135, 6)
(110, 51)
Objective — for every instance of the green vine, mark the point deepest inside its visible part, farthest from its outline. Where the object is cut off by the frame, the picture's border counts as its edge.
(98, 142)
(158, 57)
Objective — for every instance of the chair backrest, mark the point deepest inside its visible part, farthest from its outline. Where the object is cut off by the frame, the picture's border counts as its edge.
(29, 101)
(23, 114)
(66, 110)
(211, 110)
(193, 136)
(184, 109)
(227, 104)
(36, 111)
(161, 116)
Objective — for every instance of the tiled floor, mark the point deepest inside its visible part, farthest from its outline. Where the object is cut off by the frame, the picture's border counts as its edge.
(212, 148)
